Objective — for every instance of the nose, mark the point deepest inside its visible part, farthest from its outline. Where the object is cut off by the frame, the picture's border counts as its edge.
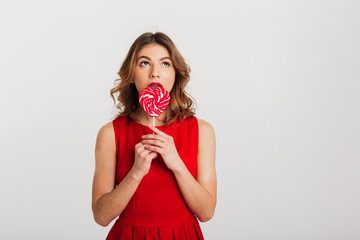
(154, 73)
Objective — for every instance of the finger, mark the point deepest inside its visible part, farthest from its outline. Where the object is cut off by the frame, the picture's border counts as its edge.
(154, 137)
(145, 153)
(154, 149)
(152, 155)
(141, 148)
(158, 131)
(154, 142)
(138, 145)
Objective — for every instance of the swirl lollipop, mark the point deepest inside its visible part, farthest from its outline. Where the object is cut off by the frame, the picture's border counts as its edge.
(154, 99)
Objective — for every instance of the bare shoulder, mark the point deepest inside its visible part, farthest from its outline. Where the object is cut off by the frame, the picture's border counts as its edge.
(105, 162)
(106, 134)
(206, 137)
(107, 129)
(105, 141)
(206, 171)
(105, 149)
(205, 128)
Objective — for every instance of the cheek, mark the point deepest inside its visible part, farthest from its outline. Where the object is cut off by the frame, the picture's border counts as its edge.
(169, 75)
(139, 77)
(170, 84)
(139, 85)
(171, 80)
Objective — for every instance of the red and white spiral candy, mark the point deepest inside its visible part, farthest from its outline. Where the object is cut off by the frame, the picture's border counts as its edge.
(154, 100)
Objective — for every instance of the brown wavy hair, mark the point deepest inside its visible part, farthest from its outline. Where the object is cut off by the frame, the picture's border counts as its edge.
(181, 103)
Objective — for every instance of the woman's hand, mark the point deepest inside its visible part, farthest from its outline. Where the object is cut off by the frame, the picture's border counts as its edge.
(163, 144)
(143, 159)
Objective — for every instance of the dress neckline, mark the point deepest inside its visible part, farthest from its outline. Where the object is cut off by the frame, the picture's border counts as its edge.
(138, 123)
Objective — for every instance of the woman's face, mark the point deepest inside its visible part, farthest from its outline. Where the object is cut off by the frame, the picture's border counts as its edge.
(153, 65)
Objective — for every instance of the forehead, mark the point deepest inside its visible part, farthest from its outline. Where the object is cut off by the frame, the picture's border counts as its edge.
(153, 51)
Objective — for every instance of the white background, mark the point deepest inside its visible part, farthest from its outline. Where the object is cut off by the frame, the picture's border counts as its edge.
(278, 80)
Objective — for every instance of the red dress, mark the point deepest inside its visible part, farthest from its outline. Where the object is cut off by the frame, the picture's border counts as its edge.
(157, 210)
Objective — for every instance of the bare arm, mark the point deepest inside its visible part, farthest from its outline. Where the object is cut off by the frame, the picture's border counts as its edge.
(200, 194)
(108, 202)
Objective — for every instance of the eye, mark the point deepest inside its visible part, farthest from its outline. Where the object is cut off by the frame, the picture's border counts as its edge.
(145, 63)
(166, 64)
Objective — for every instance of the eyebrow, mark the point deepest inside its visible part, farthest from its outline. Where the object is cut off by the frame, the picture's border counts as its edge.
(150, 58)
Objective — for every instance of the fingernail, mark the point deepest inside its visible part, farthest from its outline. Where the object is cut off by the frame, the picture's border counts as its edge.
(143, 136)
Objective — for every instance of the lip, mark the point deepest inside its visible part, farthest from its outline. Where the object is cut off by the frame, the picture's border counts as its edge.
(155, 83)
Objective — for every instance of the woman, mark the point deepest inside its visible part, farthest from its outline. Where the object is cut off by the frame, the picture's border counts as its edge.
(158, 180)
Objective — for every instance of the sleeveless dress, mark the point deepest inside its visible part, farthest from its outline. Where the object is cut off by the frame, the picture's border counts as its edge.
(157, 210)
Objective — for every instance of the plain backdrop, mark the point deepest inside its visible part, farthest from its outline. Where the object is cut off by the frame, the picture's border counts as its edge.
(278, 81)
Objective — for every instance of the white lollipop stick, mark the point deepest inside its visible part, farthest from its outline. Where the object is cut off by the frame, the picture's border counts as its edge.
(153, 122)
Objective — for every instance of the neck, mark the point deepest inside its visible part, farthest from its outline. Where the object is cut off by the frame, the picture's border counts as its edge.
(141, 116)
